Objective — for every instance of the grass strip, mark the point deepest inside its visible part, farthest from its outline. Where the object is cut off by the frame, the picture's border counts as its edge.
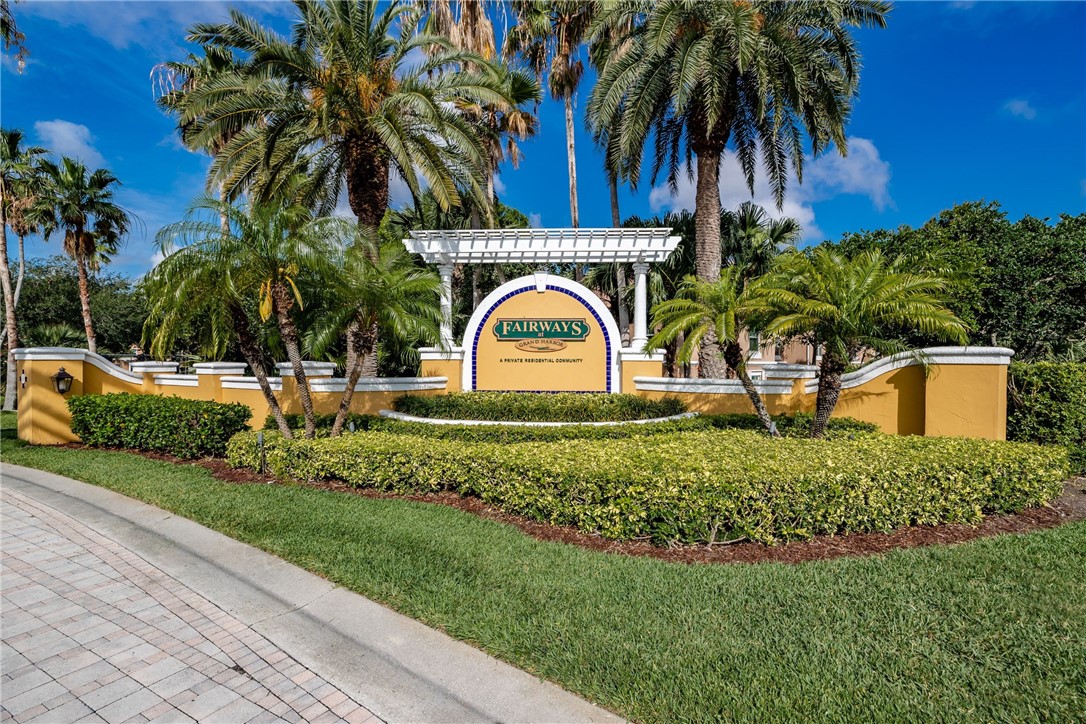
(993, 629)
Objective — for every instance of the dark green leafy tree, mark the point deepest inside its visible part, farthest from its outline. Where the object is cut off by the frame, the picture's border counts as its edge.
(700, 76)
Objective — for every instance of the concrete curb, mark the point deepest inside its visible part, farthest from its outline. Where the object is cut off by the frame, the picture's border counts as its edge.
(393, 665)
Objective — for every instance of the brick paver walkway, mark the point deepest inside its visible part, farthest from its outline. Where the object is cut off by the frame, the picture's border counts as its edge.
(92, 632)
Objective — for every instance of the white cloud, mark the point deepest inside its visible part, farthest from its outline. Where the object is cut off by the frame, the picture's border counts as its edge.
(499, 185)
(1020, 108)
(64, 138)
(535, 220)
(151, 25)
(862, 172)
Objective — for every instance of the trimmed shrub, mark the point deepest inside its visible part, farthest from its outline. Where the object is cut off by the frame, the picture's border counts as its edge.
(297, 422)
(185, 428)
(538, 407)
(695, 487)
(1047, 404)
(789, 426)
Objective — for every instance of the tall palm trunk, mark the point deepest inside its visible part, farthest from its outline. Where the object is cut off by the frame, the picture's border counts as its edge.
(707, 249)
(250, 350)
(84, 302)
(9, 314)
(829, 390)
(574, 215)
(733, 356)
(18, 285)
(362, 347)
(289, 333)
(367, 179)
(620, 271)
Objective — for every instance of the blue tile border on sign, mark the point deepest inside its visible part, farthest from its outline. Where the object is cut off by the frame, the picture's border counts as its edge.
(550, 287)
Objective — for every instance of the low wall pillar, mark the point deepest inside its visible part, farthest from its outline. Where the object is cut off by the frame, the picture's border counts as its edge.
(449, 363)
(635, 363)
(209, 377)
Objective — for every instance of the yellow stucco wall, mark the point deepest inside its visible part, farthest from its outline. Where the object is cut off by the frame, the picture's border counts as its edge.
(966, 400)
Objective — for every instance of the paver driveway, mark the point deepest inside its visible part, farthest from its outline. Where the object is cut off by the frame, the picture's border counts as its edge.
(92, 632)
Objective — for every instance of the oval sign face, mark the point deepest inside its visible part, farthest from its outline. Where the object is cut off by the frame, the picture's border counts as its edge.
(540, 341)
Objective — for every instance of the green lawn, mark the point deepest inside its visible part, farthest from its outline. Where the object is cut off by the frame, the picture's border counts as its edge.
(993, 629)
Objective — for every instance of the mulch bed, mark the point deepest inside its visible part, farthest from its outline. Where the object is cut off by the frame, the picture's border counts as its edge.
(1070, 506)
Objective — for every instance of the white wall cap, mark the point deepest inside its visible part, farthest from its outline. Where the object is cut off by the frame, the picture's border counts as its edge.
(381, 384)
(930, 355)
(631, 354)
(220, 368)
(152, 366)
(250, 383)
(312, 368)
(68, 354)
(505, 423)
(790, 371)
(709, 386)
(429, 354)
(177, 380)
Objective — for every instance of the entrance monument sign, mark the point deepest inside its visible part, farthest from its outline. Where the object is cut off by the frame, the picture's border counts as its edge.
(543, 333)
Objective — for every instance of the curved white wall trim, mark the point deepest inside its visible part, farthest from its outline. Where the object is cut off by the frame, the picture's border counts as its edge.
(929, 355)
(586, 295)
(62, 354)
(710, 386)
(505, 423)
(220, 368)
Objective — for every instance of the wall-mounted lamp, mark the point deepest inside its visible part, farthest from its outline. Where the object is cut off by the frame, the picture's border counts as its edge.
(62, 381)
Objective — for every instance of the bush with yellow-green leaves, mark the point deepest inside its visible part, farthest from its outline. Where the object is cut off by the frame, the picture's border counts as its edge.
(692, 487)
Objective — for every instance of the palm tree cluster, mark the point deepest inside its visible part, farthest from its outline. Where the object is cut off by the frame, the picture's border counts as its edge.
(42, 196)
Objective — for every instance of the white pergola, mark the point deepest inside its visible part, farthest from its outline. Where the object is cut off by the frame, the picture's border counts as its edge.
(544, 247)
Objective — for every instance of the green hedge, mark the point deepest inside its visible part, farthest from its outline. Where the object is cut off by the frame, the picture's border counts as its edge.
(697, 486)
(538, 407)
(185, 428)
(790, 426)
(1047, 404)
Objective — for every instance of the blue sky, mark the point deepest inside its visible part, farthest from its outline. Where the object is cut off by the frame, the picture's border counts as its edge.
(959, 101)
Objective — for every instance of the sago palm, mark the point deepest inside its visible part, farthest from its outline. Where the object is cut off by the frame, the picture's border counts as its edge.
(849, 306)
(700, 76)
(342, 102)
(84, 208)
(377, 291)
(265, 248)
(723, 308)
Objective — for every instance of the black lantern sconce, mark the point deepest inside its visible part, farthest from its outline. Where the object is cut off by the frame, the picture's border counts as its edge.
(62, 381)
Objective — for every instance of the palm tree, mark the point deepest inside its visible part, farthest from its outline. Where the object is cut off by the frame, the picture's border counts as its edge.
(378, 290)
(848, 306)
(10, 35)
(340, 102)
(751, 240)
(699, 75)
(725, 308)
(548, 35)
(193, 288)
(264, 248)
(20, 182)
(83, 206)
(54, 335)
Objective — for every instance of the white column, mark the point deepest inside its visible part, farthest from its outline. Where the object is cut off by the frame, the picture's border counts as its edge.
(446, 272)
(641, 303)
